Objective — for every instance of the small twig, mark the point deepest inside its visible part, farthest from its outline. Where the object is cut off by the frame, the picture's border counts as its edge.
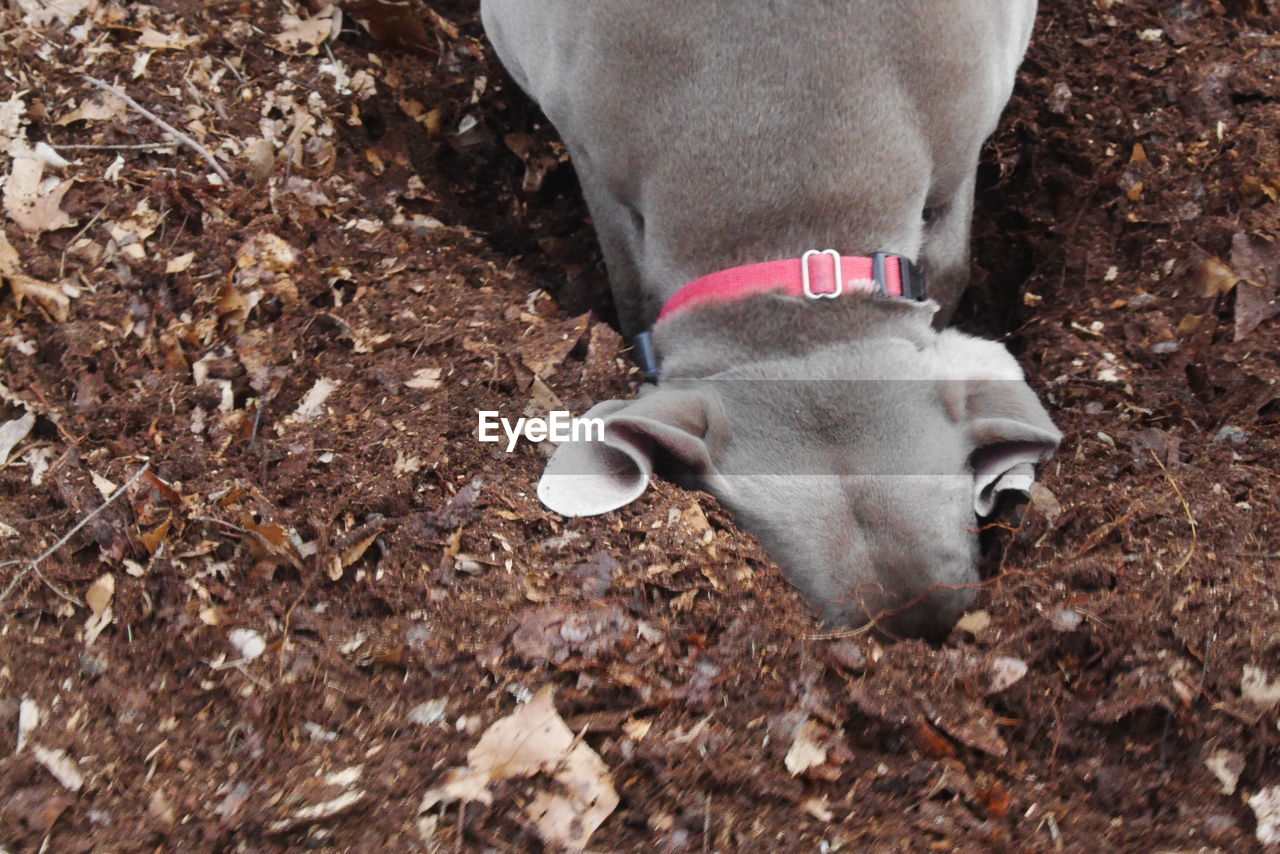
(1204, 665)
(233, 70)
(1186, 508)
(34, 565)
(842, 634)
(288, 618)
(216, 521)
(165, 126)
(1105, 530)
(136, 146)
(1054, 833)
(706, 824)
(257, 420)
(62, 264)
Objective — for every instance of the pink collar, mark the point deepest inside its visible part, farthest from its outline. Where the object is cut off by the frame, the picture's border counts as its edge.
(816, 274)
(808, 276)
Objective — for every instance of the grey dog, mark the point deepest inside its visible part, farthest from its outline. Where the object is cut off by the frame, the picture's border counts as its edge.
(857, 438)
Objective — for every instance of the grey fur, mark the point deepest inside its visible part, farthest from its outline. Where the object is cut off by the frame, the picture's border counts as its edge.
(853, 438)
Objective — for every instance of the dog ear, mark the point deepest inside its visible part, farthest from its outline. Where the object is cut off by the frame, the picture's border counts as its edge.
(1008, 427)
(590, 477)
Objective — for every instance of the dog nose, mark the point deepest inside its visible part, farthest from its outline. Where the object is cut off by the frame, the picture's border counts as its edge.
(930, 614)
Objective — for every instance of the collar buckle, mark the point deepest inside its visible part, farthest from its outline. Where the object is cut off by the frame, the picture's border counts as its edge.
(910, 277)
(806, 278)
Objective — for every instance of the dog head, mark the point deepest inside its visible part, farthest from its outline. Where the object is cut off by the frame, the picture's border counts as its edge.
(862, 466)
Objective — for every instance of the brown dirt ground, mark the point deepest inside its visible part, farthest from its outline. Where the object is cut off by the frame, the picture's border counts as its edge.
(1124, 243)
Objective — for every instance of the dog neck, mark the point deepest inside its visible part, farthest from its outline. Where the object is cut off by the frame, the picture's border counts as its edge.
(717, 337)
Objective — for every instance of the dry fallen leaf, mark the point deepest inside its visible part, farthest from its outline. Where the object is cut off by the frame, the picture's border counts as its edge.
(819, 808)
(259, 156)
(271, 543)
(180, 264)
(262, 265)
(247, 642)
(153, 539)
(269, 251)
(1226, 765)
(807, 750)
(11, 121)
(28, 720)
(1045, 503)
(157, 40)
(98, 597)
(1257, 260)
(428, 713)
(1258, 689)
(1189, 324)
(100, 593)
(929, 741)
(1004, 672)
(38, 807)
(425, 378)
(98, 107)
(132, 232)
(393, 25)
(543, 352)
(358, 543)
(973, 725)
(306, 36)
(693, 518)
(48, 295)
(637, 728)
(29, 202)
(316, 812)
(1266, 808)
(38, 14)
(13, 432)
(61, 766)
(995, 799)
(313, 402)
(534, 739)
(1216, 277)
(105, 487)
(974, 622)
(542, 399)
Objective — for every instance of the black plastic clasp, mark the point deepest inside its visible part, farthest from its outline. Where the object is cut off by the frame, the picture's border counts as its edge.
(913, 281)
(642, 351)
(911, 275)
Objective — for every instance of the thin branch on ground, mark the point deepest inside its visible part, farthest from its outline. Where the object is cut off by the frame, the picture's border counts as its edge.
(213, 520)
(1186, 508)
(133, 146)
(34, 565)
(62, 263)
(165, 126)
